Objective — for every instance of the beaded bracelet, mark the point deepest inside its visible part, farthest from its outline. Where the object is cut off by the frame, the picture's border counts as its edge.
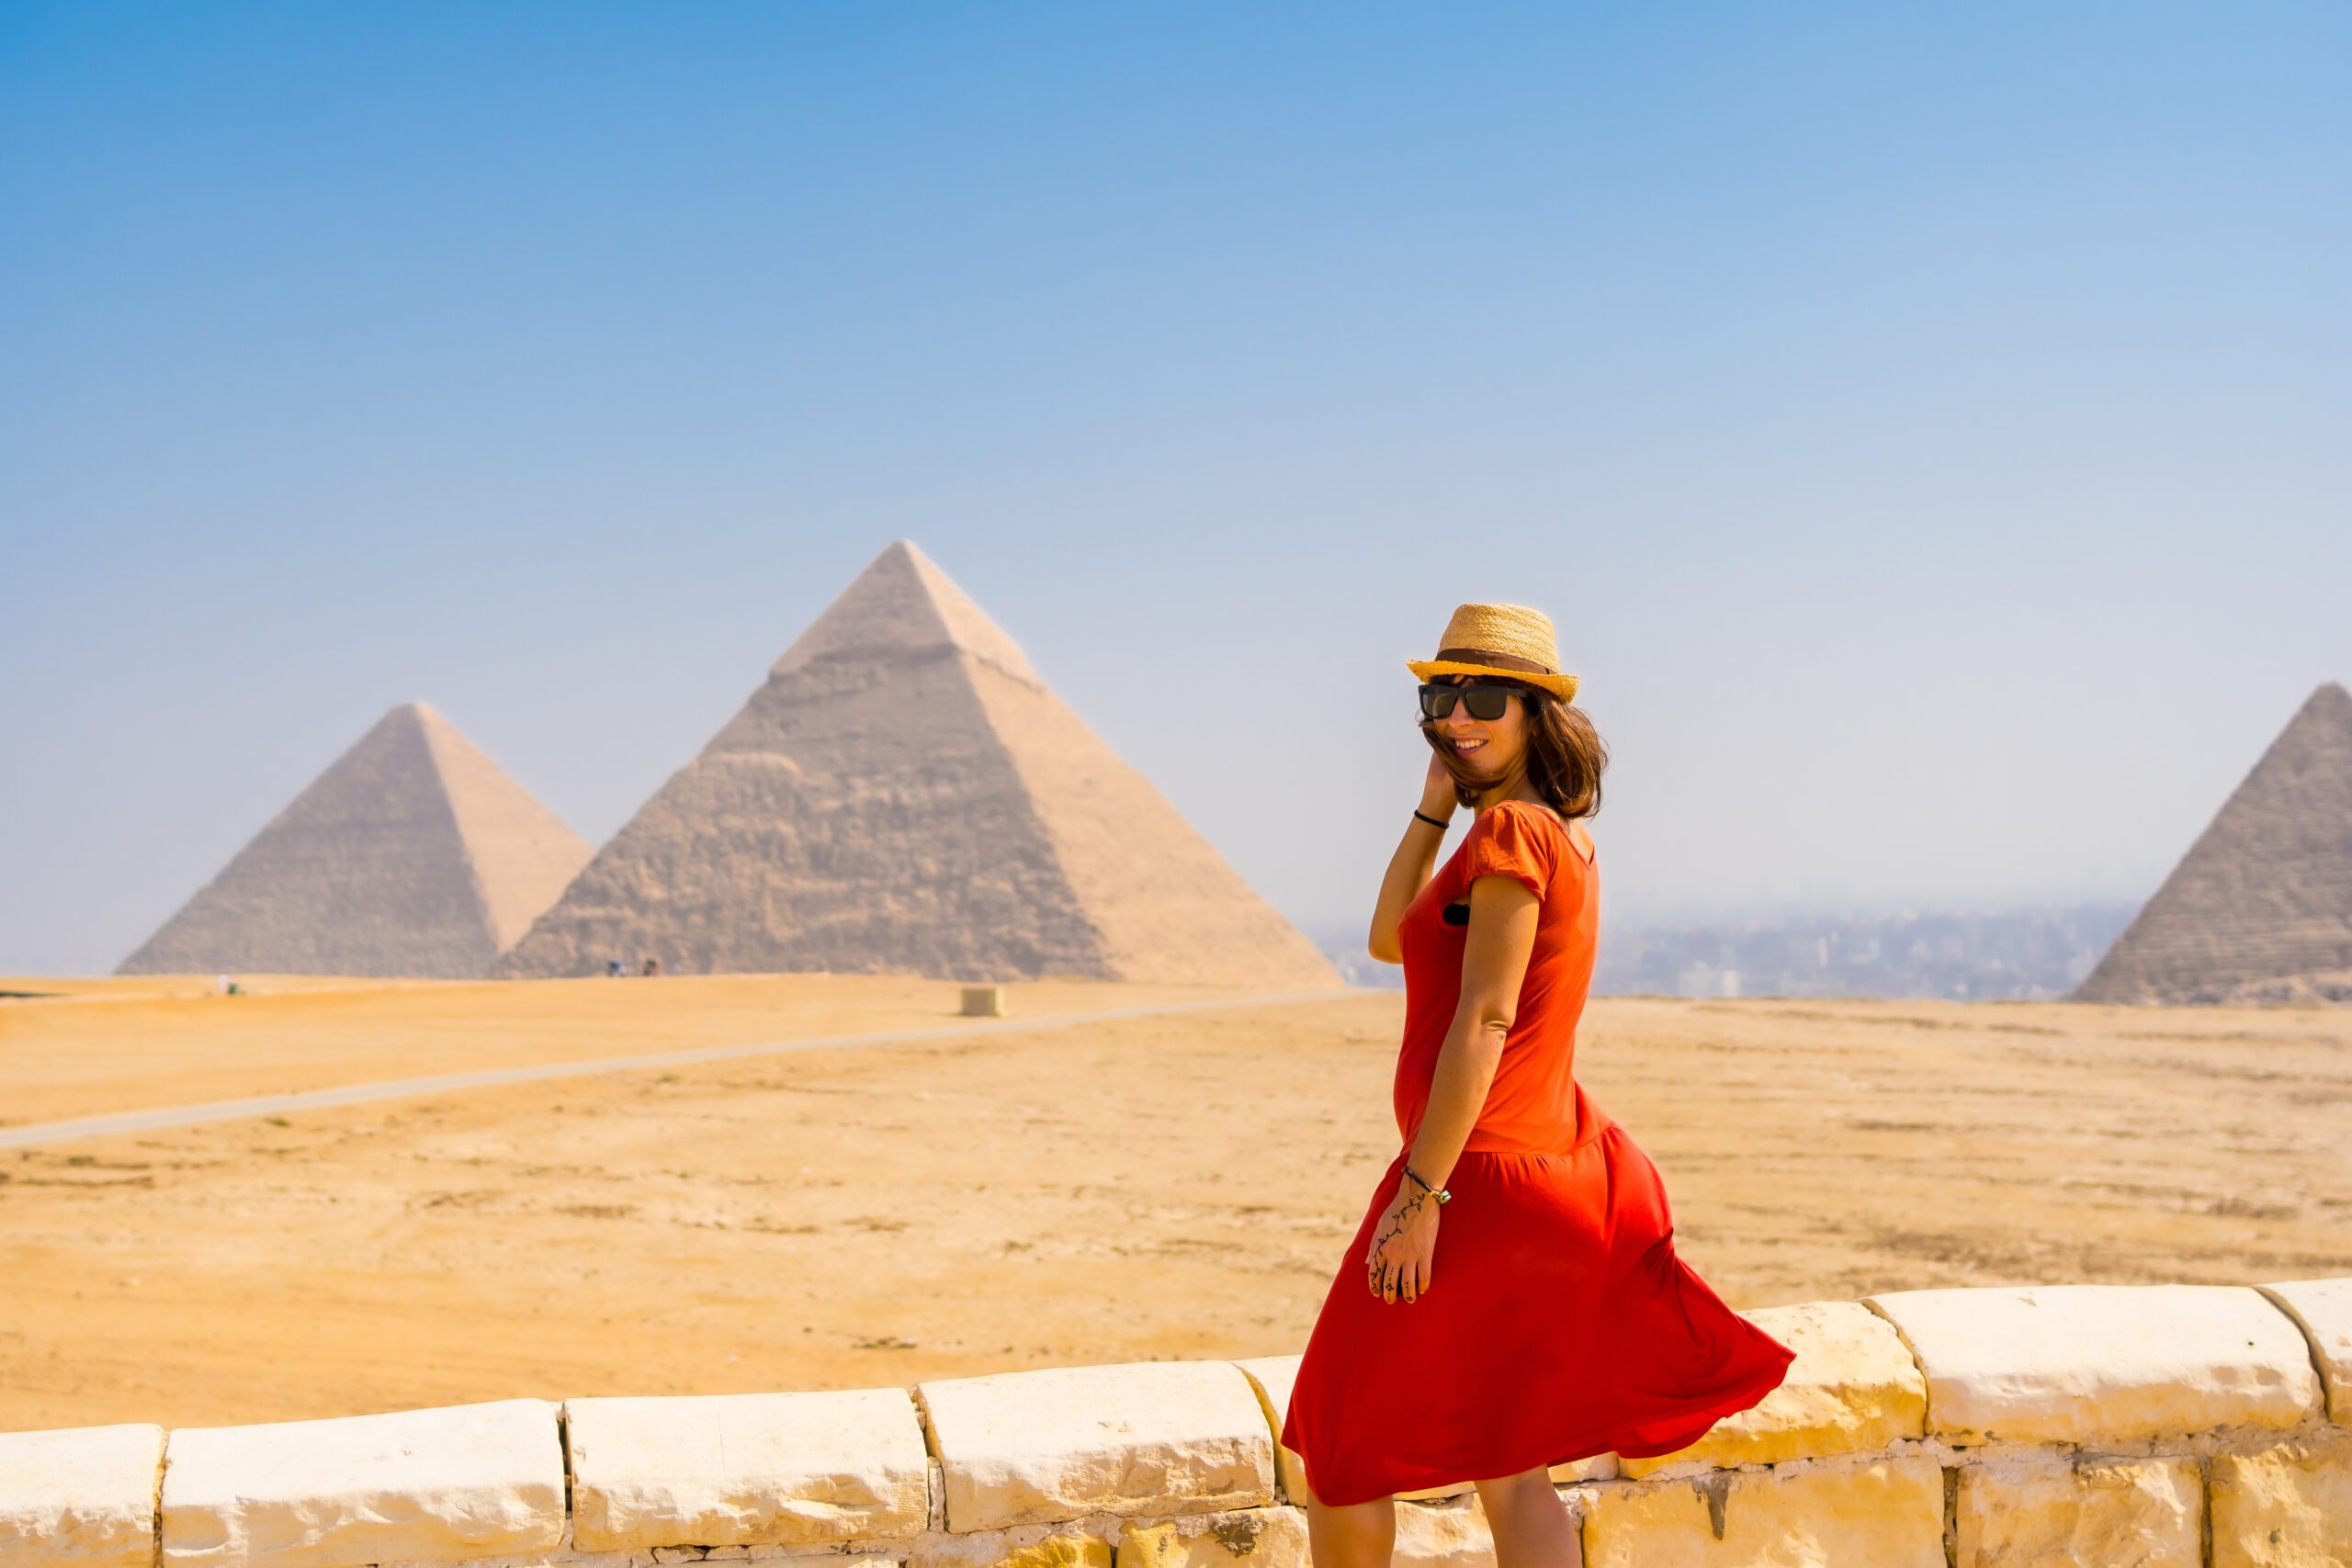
(1440, 1193)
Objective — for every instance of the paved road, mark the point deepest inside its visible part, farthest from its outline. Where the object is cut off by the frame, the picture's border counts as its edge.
(488, 1077)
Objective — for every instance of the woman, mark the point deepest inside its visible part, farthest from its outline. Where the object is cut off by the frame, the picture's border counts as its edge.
(1556, 1321)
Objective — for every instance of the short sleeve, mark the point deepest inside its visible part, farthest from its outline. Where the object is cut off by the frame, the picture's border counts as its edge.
(1505, 842)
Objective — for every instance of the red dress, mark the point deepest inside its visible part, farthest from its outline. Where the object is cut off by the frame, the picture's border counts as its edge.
(1558, 1323)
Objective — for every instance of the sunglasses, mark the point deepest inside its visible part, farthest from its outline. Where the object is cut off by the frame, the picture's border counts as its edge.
(1486, 702)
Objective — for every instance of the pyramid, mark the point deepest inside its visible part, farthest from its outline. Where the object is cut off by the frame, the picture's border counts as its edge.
(413, 854)
(905, 796)
(2260, 909)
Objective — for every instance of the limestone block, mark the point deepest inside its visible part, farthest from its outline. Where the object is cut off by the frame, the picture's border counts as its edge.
(2323, 1309)
(1885, 1513)
(1022, 1546)
(1128, 1438)
(1852, 1389)
(2038, 1509)
(1242, 1538)
(84, 1496)
(1600, 1467)
(1272, 1376)
(747, 1470)
(775, 1557)
(1446, 1535)
(417, 1485)
(1270, 1379)
(564, 1557)
(2096, 1364)
(2288, 1507)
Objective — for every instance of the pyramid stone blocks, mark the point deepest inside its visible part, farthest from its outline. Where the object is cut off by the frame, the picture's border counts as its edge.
(904, 795)
(2260, 908)
(412, 855)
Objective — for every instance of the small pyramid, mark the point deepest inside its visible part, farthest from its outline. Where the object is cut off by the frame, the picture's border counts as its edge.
(905, 796)
(2260, 909)
(412, 855)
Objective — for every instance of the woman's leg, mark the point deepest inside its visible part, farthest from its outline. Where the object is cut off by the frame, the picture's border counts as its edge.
(1532, 1526)
(1354, 1535)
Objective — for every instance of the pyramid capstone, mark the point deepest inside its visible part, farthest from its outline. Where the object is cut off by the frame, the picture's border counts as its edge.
(904, 795)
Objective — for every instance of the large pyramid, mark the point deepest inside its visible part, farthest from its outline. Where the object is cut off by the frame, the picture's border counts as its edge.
(904, 796)
(412, 855)
(2260, 909)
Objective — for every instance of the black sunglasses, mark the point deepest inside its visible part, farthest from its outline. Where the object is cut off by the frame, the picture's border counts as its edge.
(1485, 702)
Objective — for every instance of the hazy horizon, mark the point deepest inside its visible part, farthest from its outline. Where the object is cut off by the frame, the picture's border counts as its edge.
(1926, 430)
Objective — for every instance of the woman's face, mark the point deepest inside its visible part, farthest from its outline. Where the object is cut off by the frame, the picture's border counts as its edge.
(1490, 748)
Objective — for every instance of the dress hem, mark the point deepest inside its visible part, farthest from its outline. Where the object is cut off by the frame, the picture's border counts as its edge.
(1747, 1395)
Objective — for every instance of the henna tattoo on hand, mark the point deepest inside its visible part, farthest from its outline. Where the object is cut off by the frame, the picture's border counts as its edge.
(1400, 1220)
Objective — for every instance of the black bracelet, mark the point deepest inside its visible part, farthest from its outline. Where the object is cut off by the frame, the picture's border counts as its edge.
(1428, 819)
(1442, 1197)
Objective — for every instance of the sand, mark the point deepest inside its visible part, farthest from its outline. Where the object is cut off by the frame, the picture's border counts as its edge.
(86, 1047)
(1175, 1186)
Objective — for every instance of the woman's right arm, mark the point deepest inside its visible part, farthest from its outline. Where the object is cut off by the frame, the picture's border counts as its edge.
(1409, 868)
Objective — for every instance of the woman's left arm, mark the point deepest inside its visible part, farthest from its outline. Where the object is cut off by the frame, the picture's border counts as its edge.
(1495, 952)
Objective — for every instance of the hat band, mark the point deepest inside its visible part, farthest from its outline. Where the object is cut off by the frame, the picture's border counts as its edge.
(1480, 656)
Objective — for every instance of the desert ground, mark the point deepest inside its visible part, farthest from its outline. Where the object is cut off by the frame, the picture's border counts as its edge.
(1180, 1184)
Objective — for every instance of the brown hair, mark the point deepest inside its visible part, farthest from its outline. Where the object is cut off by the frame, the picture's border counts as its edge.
(1565, 755)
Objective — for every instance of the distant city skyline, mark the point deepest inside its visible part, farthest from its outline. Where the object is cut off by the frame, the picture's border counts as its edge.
(2038, 953)
(1926, 430)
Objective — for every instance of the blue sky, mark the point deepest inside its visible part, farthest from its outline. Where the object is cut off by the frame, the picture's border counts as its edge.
(1925, 425)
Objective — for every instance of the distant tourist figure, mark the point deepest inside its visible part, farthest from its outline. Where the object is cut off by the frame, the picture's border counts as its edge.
(612, 968)
(1554, 1322)
(652, 967)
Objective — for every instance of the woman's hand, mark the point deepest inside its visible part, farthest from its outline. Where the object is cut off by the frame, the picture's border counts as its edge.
(1437, 789)
(1404, 1246)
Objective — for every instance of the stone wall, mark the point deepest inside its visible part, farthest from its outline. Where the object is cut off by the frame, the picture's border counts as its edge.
(2149, 1426)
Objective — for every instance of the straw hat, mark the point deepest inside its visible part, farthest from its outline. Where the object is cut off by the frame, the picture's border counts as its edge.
(1500, 640)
